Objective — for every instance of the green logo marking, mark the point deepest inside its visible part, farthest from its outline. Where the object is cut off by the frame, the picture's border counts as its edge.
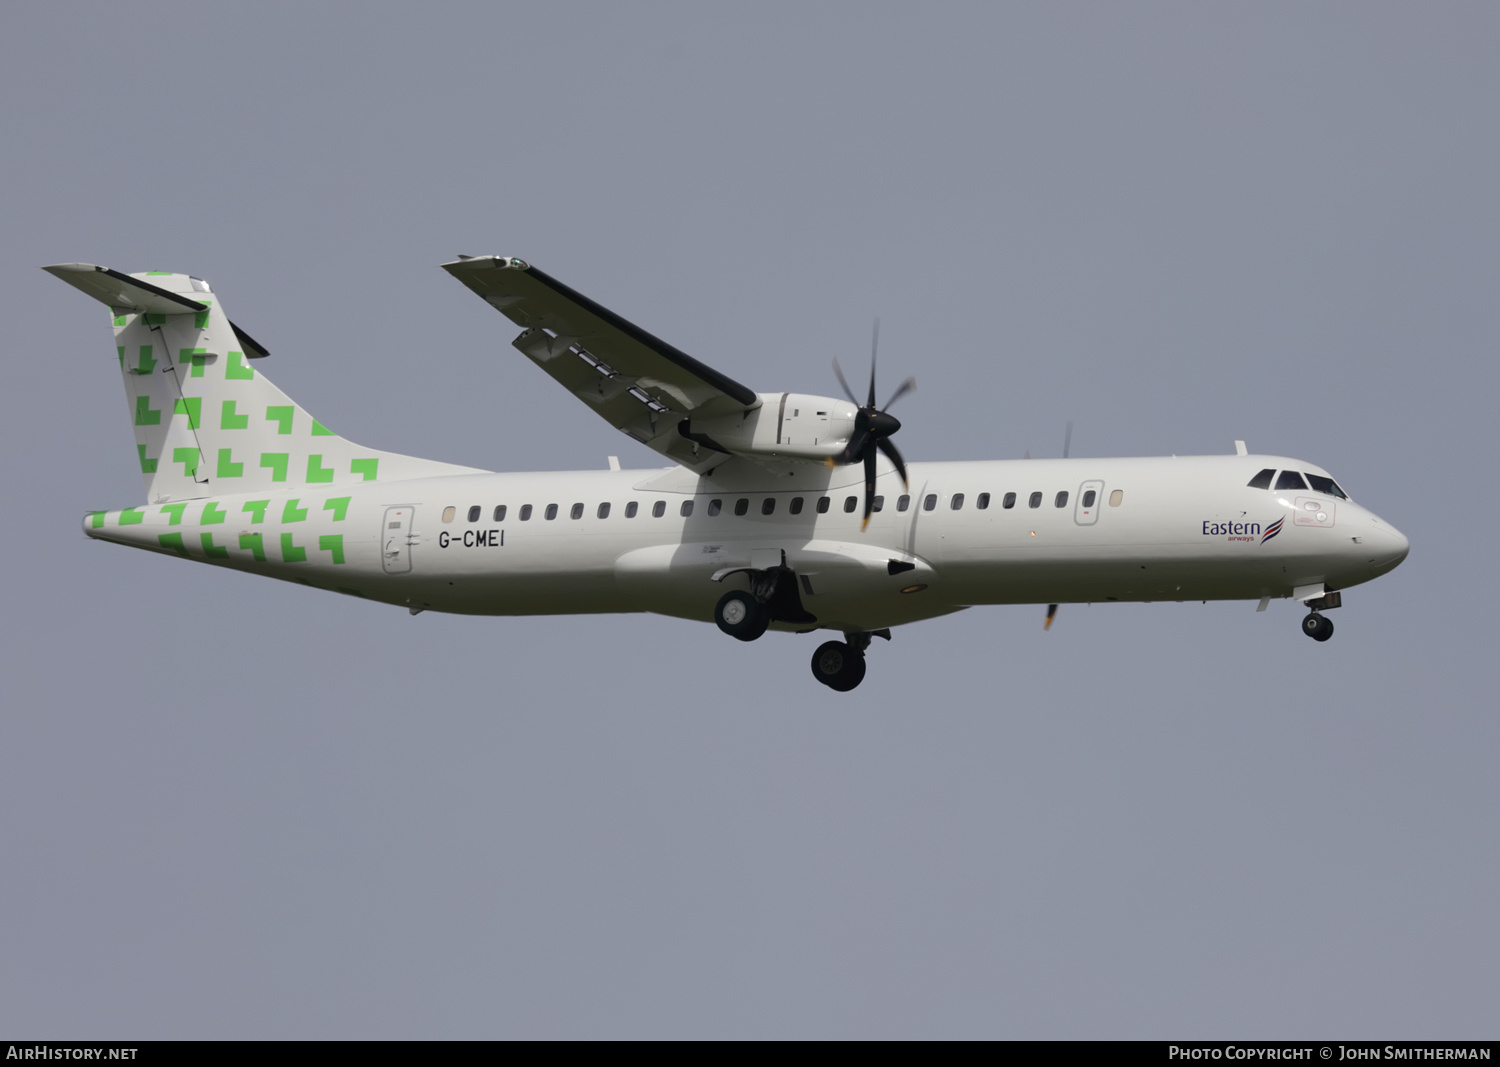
(333, 543)
(148, 466)
(131, 517)
(338, 505)
(364, 466)
(281, 414)
(316, 472)
(277, 462)
(211, 550)
(145, 415)
(290, 553)
(212, 516)
(196, 357)
(255, 544)
(96, 520)
(227, 467)
(319, 430)
(174, 511)
(189, 406)
(228, 420)
(174, 542)
(257, 510)
(188, 457)
(292, 513)
(236, 368)
(145, 364)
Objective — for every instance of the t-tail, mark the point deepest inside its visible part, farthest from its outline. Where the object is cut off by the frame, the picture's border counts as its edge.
(207, 422)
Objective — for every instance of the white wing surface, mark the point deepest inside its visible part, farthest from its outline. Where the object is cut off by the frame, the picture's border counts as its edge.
(637, 382)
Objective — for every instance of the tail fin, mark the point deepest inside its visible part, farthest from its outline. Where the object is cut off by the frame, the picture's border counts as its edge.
(206, 422)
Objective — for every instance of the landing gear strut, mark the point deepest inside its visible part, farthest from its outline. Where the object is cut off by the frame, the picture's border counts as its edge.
(1318, 627)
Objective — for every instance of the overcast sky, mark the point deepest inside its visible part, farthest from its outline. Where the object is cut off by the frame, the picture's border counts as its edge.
(231, 807)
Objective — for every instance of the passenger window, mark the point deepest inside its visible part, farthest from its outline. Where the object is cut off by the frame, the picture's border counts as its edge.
(658, 509)
(822, 505)
(550, 513)
(525, 512)
(1062, 499)
(850, 503)
(1263, 479)
(957, 503)
(1115, 498)
(687, 508)
(448, 514)
(903, 502)
(795, 507)
(1290, 480)
(929, 502)
(1089, 497)
(603, 511)
(1008, 501)
(982, 501)
(630, 509)
(1035, 501)
(577, 512)
(474, 513)
(877, 503)
(500, 513)
(715, 506)
(742, 506)
(768, 505)
(1321, 484)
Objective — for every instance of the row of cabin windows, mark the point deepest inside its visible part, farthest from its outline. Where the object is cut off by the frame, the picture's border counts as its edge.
(794, 506)
(1291, 480)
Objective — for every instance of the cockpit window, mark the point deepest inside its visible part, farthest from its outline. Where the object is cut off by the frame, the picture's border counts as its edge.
(1328, 486)
(1263, 479)
(1290, 480)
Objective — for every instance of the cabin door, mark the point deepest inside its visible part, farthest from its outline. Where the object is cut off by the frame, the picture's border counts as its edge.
(395, 540)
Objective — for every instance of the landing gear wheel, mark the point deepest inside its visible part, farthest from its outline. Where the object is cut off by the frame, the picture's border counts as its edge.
(1317, 627)
(740, 615)
(838, 666)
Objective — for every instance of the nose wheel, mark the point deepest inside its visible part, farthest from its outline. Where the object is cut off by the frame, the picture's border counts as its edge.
(1318, 627)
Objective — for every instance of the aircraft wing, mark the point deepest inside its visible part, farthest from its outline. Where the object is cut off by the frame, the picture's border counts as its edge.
(637, 382)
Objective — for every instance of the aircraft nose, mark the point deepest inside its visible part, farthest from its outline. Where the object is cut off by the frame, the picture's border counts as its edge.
(1388, 546)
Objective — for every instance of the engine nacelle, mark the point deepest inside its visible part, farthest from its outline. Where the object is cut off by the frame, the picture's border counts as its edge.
(784, 424)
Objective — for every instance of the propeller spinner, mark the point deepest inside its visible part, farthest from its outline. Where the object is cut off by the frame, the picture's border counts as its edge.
(873, 429)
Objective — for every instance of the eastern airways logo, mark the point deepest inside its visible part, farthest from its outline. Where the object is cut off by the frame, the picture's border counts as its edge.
(1249, 532)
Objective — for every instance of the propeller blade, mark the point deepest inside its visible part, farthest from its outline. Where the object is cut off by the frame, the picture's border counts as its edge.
(891, 454)
(1067, 439)
(859, 440)
(1051, 614)
(869, 486)
(901, 390)
(839, 374)
(874, 346)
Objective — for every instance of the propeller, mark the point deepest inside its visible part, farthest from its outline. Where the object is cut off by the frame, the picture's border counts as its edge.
(1067, 444)
(873, 429)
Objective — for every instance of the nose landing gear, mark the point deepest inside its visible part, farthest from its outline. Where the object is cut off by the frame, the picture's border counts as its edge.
(742, 616)
(1318, 627)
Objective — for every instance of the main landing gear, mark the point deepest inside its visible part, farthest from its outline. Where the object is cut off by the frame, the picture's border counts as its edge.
(840, 665)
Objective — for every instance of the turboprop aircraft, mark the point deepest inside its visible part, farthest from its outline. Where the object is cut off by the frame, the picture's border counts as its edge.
(782, 511)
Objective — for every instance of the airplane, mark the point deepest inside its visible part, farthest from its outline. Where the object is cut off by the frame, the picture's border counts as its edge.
(779, 511)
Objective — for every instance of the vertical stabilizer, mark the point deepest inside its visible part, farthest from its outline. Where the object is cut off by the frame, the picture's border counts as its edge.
(206, 421)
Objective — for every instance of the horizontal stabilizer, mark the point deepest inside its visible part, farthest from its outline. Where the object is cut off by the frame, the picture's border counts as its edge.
(122, 291)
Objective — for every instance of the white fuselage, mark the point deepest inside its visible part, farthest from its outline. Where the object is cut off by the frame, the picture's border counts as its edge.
(1179, 528)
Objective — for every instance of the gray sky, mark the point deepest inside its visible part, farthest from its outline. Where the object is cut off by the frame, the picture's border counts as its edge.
(238, 808)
